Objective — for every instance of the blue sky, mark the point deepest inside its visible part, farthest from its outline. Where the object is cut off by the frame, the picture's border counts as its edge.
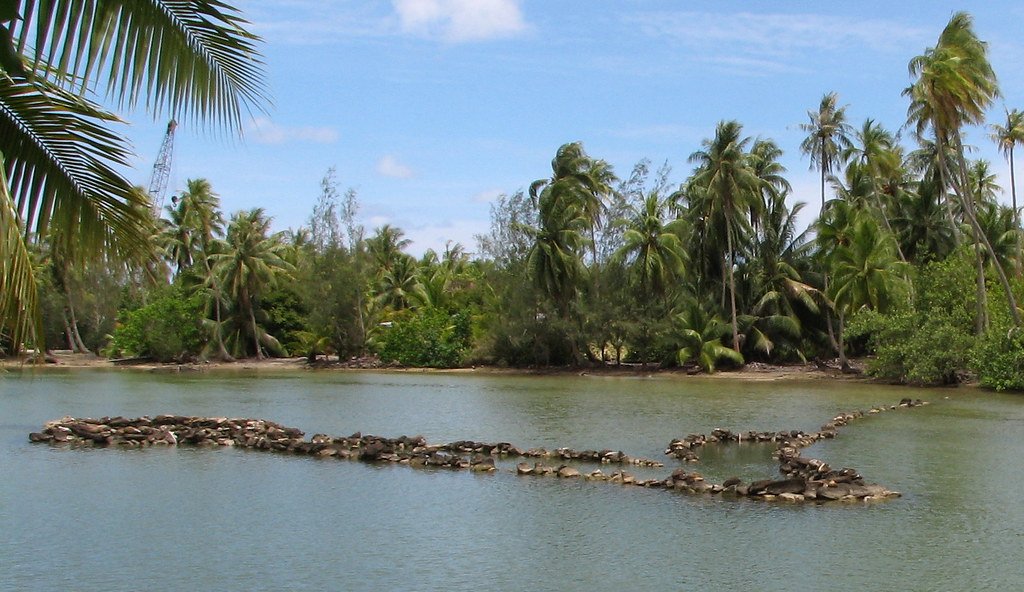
(431, 108)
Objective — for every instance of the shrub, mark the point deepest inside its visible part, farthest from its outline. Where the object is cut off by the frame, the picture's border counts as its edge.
(168, 328)
(429, 338)
(929, 341)
(998, 359)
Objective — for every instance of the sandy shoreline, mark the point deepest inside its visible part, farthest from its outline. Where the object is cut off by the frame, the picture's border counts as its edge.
(753, 372)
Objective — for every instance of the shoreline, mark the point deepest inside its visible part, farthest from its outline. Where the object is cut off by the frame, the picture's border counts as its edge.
(755, 371)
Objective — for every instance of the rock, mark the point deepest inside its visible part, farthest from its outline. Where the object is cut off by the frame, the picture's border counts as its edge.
(567, 472)
(791, 497)
(524, 469)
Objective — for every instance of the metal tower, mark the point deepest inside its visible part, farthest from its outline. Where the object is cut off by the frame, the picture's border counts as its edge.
(162, 170)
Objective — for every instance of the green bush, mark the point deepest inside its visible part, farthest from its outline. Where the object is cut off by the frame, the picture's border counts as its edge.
(929, 341)
(998, 359)
(167, 329)
(430, 338)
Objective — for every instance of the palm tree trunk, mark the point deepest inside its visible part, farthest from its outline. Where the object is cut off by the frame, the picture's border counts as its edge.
(732, 291)
(247, 303)
(844, 364)
(980, 235)
(1016, 217)
(981, 314)
(67, 330)
(72, 319)
(218, 334)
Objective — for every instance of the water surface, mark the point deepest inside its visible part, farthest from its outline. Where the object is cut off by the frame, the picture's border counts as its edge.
(234, 519)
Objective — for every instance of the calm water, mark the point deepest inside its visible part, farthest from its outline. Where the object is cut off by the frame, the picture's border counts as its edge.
(177, 519)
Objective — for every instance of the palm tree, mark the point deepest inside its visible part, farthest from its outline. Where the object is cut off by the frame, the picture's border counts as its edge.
(700, 334)
(577, 178)
(554, 259)
(875, 152)
(865, 274)
(652, 247)
(197, 229)
(253, 262)
(731, 187)
(781, 294)
(60, 156)
(828, 135)
(399, 287)
(1007, 137)
(955, 85)
(386, 247)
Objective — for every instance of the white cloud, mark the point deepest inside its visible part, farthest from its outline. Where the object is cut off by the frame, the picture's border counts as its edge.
(436, 236)
(458, 21)
(389, 166)
(780, 34)
(487, 196)
(264, 131)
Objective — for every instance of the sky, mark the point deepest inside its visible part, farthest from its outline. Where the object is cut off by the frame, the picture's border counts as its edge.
(430, 109)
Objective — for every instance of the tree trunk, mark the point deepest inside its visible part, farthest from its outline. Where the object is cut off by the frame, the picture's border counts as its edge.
(247, 302)
(981, 314)
(1016, 217)
(732, 292)
(79, 345)
(844, 364)
(968, 203)
(67, 330)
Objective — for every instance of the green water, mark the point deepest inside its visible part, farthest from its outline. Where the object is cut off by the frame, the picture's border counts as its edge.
(230, 519)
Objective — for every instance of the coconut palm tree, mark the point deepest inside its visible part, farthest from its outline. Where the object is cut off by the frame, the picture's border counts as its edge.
(1007, 137)
(253, 262)
(386, 247)
(874, 150)
(197, 231)
(954, 86)
(723, 170)
(577, 178)
(700, 334)
(652, 249)
(828, 135)
(399, 287)
(61, 157)
(865, 274)
(555, 258)
(777, 284)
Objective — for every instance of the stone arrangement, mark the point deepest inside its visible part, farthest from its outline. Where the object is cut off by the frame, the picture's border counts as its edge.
(805, 478)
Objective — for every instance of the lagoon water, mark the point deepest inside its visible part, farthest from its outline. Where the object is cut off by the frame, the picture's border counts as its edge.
(204, 519)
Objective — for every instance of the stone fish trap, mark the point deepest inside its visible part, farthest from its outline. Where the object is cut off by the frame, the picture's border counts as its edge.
(806, 479)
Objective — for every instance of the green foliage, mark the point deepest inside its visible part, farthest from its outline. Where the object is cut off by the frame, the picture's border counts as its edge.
(998, 358)
(428, 338)
(929, 342)
(168, 328)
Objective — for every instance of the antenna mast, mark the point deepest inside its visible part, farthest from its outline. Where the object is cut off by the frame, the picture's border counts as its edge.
(162, 169)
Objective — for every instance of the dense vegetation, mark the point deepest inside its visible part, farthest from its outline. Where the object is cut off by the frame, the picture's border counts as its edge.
(911, 259)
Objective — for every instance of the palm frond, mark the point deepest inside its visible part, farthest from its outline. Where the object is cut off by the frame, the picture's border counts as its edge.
(19, 313)
(192, 58)
(60, 160)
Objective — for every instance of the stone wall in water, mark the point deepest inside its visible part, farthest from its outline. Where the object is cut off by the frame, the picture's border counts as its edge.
(804, 479)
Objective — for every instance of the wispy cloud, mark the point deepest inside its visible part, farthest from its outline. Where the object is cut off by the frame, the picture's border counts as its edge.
(781, 34)
(264, 131)
(769, 43)
(458, 21)
(389, 166)
(487, 196)
(314, 22)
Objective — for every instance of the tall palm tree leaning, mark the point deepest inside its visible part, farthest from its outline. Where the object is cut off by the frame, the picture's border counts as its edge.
(723, 169)
(60, 155)
(1007, 137)
(955, 85)
(828, 135)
